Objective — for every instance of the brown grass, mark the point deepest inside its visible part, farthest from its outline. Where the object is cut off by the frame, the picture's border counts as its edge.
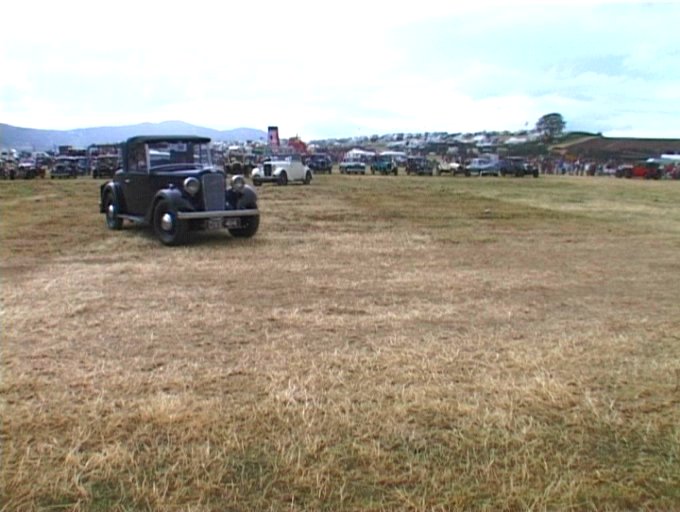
(383, 343)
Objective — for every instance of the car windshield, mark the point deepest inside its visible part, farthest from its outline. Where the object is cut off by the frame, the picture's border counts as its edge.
(178, 155)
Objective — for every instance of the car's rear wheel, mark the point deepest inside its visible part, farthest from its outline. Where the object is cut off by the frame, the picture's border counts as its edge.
(169, 229)
(283, 179)
(308, 178)
(111, 211)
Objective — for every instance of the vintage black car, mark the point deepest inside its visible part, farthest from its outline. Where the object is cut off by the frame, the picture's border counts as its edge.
(320, 163)
(169, 182)
(105, 166)
(420, 165)
(517, 166)
(64, 167)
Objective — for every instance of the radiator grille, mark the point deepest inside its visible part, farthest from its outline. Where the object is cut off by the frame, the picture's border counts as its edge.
(213, 191)
(267, 169)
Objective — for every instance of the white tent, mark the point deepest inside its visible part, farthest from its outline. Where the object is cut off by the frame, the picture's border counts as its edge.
(359, 154)
(393, 153)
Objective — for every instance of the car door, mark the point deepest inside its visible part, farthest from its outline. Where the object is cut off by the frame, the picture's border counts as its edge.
(297, 169)
(136, 184)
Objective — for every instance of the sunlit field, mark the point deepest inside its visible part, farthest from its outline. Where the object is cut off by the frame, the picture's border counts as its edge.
(382, 343)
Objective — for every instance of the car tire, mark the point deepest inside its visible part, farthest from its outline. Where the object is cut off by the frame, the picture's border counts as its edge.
(249, 226)
(113, 222)
(283, 179)
(257, 182)
(169, 229)
(308, 178)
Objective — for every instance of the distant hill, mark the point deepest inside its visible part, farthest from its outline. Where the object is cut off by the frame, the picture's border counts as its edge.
(42, 140)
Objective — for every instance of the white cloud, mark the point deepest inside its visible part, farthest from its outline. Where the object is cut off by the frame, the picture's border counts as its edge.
(345, 68)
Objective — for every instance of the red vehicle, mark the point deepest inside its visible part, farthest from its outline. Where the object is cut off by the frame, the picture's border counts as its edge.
(644, 170)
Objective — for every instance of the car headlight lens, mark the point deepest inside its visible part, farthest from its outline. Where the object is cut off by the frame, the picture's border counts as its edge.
(192, 186)
(238, 183)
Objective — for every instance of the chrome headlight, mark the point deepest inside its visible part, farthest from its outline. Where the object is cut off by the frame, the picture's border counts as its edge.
(238, 182)
(192, 186)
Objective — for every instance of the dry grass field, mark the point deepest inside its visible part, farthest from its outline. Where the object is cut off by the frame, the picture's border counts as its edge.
(381, 344)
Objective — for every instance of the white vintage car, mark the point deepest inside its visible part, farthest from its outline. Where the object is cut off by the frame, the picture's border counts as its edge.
(281, 170)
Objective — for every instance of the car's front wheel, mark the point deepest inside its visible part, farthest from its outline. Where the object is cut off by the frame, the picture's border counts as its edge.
(283, 179)
(249, 226)
(169, 229)
(111, 211)
(308, 178)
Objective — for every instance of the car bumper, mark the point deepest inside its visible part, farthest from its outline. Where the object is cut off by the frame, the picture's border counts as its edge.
(216, 214)
(265, 179)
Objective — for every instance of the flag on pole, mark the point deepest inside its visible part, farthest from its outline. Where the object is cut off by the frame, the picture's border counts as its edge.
(273, 133)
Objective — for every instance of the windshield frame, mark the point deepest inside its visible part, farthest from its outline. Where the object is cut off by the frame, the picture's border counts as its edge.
(177, 155)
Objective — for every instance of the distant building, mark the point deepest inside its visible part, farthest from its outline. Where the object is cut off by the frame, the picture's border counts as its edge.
(610, 148)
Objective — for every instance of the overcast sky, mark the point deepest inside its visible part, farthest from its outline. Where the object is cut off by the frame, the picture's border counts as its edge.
(331, 69)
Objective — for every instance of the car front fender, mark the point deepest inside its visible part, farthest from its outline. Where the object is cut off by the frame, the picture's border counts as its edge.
(174, 197)
(115, 189)
(247, 198)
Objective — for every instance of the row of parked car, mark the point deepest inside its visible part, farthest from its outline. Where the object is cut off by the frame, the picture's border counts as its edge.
(422, 166)
(61, 166)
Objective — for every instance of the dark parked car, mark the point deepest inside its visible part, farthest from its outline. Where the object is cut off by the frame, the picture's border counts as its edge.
(26, 170)
(517, 166)
(105, 166)
(420, 165)
(64, 167)
(320, 163)
(168, 182)
(384, 164)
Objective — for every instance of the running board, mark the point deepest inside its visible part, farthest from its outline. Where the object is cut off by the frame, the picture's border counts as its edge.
(137, 219)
